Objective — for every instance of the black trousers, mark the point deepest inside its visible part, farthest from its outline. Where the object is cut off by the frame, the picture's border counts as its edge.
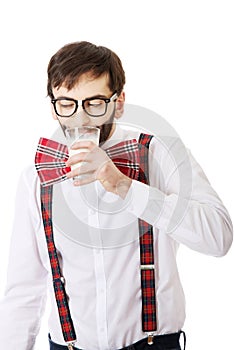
(161, 342)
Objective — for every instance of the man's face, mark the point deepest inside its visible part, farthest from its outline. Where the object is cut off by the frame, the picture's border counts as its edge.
(87, 87)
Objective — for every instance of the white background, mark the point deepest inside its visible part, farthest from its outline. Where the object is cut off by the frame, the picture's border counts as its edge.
(178, 57)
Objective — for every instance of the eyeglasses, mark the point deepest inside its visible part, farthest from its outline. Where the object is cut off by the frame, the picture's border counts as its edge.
(94, 107)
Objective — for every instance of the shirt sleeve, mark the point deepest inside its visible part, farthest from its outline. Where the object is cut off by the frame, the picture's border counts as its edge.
(180, 201)
(24, 300)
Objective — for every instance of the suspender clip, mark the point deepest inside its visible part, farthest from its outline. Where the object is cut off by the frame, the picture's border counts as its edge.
(71, 345)
(150, 339)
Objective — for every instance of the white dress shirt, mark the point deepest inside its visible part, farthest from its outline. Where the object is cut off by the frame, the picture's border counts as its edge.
(96, 235)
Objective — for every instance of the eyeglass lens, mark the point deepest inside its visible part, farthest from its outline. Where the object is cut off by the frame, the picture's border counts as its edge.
(66, 108)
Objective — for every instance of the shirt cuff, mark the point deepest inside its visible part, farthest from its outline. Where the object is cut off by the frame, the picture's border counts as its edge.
(151, 205)
(137, 198)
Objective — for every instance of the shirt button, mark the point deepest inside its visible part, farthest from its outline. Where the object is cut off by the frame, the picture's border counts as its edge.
(92, 212)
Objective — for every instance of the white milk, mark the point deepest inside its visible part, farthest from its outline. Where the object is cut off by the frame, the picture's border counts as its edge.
(77, 134)
(76, 151)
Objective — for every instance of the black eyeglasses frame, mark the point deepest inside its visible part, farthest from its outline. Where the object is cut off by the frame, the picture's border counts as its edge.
(82, 103)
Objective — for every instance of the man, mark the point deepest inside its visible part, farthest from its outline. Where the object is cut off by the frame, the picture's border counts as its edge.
(120, 291)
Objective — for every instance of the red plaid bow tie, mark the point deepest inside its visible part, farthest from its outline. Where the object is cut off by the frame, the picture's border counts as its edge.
(51, 157)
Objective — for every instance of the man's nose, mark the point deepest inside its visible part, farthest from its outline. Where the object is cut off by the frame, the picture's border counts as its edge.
(82, 116)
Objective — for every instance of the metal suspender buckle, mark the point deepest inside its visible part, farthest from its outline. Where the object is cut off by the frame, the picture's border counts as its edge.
(147, 267)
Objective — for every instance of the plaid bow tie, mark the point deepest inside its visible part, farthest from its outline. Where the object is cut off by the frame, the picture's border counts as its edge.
(51, 157)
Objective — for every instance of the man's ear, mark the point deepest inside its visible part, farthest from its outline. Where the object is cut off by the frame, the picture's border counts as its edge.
(54, 115)
(119, 107)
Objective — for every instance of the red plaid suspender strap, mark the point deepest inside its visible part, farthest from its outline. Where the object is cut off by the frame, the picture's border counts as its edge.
(68, 330)
(149, 322)
(146, 256)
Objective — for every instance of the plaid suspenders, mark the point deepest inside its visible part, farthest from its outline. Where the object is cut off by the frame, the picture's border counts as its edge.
(68, 330)
(149, 324)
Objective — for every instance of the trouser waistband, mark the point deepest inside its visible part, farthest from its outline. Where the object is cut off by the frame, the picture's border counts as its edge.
(160, 342)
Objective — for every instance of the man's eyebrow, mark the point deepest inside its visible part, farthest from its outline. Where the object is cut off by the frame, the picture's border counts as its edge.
(96, 96)
(87, 98)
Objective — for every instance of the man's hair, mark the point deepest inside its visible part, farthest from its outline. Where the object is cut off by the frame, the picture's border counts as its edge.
(68, 64)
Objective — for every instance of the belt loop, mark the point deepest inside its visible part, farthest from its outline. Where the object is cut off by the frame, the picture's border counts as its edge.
(184, 337)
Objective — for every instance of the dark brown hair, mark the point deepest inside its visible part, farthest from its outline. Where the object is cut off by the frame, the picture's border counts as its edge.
(68, 64)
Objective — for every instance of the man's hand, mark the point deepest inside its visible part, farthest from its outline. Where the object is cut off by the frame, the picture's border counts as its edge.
(96, 165)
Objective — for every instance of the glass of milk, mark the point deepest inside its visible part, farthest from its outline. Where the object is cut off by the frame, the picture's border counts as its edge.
(83, 133)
